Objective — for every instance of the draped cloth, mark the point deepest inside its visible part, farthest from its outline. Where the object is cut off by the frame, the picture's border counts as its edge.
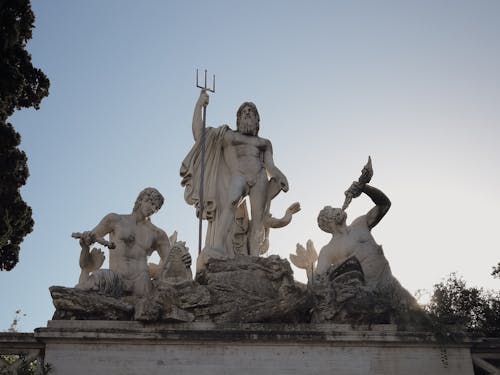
(215, 182)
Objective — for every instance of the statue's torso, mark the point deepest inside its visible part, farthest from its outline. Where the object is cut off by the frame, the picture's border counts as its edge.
(244, 154)
(133, 243)
(357, 241)
(360, 243)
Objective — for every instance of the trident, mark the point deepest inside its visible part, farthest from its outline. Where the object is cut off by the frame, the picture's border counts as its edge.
(202, 174)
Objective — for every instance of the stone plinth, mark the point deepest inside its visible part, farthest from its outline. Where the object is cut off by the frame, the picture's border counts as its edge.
(106, 347)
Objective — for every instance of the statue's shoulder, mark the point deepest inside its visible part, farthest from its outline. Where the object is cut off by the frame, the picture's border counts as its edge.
(224, 132)
(266, 141)
(221, 128)
(225, 129)
(112, 217)
(218, 132)
(159, 233)
(360, 221)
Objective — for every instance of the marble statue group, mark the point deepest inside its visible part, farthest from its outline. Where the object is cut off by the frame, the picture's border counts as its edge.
(234, 281)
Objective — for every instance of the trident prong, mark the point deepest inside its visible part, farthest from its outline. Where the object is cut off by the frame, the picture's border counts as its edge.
(205, 87)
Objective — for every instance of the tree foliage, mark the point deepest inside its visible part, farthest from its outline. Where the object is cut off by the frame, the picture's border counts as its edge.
(496, 271)
(21, 86)
(474, 309)
(19, 363)
(21, 366)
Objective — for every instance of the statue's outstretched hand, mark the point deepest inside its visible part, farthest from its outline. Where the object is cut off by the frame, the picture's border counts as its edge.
(282, 181)
(87, 238)
(203, 99)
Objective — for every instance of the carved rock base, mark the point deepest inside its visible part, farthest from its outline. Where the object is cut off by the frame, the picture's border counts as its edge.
(252, 289)
(340, 296)
(245, 289)
(72, 303)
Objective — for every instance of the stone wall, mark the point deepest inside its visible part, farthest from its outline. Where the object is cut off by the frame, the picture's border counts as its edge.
(98, 347)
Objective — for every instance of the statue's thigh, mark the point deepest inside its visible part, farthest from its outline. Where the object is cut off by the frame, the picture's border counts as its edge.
(258, 195)
(238, 188)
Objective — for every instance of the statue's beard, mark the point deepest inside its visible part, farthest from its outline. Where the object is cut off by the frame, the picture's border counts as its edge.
(248, 128)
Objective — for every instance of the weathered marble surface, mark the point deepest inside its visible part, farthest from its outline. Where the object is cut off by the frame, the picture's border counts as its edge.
(252, 289)
(305, 258)
(73, 303)
(340, 295)
(75, 347)
(132, 238)
(237, 164)
(243, 289)
(352, 282)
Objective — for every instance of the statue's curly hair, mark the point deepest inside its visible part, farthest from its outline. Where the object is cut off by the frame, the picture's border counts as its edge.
(149, 193)
(328, 215)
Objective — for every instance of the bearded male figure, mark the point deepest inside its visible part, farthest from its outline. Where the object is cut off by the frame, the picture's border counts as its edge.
(237, 164)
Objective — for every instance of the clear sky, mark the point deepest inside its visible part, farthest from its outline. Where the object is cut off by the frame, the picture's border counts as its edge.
(414, 84)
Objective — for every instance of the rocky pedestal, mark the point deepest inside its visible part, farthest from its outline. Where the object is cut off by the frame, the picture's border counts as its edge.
(340, 295)
(244, 289)
(252, 289)
(76, 304)
(248, 315)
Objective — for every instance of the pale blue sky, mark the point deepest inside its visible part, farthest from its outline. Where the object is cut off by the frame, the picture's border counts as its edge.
(414, 84)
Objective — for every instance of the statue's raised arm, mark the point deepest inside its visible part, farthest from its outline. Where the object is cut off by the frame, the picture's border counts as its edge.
(382, 205)
(197, 115)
